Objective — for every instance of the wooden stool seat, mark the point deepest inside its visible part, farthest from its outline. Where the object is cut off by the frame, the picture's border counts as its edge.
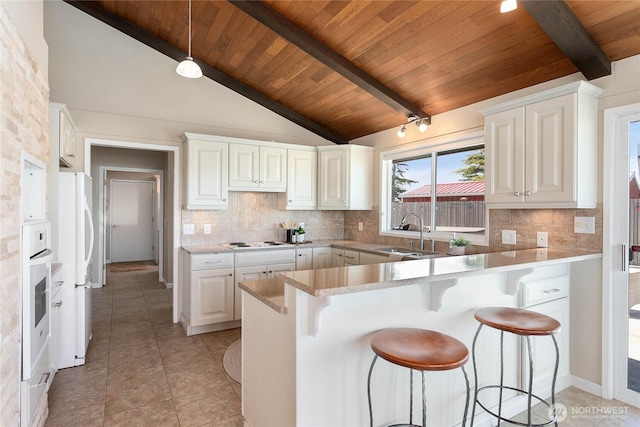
(419, 349)
(517, 321)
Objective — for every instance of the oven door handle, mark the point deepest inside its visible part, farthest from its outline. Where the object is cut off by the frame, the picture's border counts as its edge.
(87, 212)
(43, 258)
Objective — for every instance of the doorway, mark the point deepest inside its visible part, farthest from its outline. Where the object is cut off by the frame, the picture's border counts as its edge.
(621, 296)
(131, 220)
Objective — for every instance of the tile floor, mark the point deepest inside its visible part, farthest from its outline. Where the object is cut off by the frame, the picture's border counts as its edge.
(142, 370)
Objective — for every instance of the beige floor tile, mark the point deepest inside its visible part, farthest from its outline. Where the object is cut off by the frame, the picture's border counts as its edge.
(74, 419)
(237, 421)
(197, 378)
(209, 407)
(156, 414)
(134, 394)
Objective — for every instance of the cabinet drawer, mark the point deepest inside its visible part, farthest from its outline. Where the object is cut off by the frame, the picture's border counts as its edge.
(539, 291)
(209, 261)
(263, 256)
(351, 257)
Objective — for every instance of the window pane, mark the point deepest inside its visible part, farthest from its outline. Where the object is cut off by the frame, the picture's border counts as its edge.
(460, 191)
(410, 177)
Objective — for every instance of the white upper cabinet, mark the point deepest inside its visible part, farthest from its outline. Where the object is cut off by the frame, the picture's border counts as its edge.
(207, 173)
(540, 151)
(257, 168)
(302, 166)
(345, 177)
(63, 134)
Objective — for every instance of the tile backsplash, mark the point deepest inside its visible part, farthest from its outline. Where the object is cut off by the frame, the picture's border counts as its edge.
(558, 223)
(254, 217)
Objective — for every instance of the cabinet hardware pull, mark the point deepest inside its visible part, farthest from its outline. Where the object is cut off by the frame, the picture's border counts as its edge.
(71, 155)
(224, 200)
(289, 201)
(230, 274)
(213, 262)
(256, 181)
(527, 193)
(46, 376)
(517, 194)
(57, 304)
(551, 291)
(59, 283)
(350, 257)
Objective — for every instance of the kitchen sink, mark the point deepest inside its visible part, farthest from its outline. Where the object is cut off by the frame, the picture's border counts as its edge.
(399, 251)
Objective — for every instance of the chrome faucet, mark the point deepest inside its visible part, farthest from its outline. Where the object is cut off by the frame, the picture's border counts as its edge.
(421, 231)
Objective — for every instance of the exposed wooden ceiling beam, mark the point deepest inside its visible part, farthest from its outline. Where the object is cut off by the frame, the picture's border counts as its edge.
(560, 23)
(93, 9)
(295, 35)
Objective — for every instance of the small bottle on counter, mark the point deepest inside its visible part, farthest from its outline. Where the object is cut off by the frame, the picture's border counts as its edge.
(451, 245)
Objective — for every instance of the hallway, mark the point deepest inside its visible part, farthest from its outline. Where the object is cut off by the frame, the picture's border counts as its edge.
(142, 370)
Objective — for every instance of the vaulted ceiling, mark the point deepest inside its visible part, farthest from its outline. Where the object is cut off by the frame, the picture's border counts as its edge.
(345, 69)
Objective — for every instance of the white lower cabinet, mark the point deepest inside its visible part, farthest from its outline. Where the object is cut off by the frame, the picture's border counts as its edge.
(548, 295)
(258, 265)
(322, 257)
(337, 257)
(207, 297)
(56, 306)
(351, 257)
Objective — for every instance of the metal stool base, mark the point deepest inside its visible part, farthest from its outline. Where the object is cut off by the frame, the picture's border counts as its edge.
(507, 420)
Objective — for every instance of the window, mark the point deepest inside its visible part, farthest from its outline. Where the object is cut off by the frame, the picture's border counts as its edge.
(451, 173)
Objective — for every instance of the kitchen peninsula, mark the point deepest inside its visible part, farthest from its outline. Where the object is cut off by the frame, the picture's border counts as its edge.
(306, 334)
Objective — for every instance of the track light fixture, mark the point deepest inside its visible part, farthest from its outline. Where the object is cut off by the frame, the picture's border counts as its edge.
(419, 121)
(188, 68)
(508, 6)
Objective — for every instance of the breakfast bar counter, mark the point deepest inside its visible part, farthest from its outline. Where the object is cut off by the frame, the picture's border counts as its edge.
(306, 334)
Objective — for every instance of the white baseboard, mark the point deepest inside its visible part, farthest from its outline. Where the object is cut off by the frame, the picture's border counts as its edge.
(168, 285)
(588, 386)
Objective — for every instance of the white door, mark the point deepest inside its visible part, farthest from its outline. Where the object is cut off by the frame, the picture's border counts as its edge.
(622, 128)
(131, 220)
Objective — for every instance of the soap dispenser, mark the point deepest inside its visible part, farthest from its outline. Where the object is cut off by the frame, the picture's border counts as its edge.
(451, 245)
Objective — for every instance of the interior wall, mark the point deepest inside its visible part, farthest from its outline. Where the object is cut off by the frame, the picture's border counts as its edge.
(24, 114)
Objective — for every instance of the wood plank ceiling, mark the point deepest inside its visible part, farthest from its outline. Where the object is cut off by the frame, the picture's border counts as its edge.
(435, 56)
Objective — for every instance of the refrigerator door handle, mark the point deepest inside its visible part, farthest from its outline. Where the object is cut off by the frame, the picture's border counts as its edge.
(87, 211)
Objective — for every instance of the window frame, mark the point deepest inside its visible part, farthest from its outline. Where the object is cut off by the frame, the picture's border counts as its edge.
(421, 149)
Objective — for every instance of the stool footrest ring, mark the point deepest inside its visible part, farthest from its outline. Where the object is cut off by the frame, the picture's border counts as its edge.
(551, 421)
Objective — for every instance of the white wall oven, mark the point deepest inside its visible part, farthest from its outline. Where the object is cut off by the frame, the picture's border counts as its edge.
(36, 278)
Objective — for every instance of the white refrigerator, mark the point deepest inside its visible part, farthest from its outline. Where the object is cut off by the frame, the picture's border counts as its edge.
(74, 250)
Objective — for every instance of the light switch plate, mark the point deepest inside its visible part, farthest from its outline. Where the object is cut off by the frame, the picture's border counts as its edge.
(508, 237)
(360, 226)
(542, 239)
(207, 229)
(584, 225)
(188, 229)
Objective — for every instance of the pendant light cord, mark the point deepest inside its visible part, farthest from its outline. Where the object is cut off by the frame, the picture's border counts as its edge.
(190, 28)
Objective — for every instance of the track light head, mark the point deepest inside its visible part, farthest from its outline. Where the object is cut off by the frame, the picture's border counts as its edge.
(508, 6)
(422, 126)
(402, 132)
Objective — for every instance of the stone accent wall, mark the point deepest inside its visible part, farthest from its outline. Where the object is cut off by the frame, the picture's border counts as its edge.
(255, 217)
(526, 222)
(24, 125)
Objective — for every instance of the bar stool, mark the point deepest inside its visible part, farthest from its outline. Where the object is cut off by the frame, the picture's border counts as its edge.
(422, 350)
(526, 324)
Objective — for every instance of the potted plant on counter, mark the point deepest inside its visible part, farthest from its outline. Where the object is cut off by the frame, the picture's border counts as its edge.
(300, 234)
(459, 244)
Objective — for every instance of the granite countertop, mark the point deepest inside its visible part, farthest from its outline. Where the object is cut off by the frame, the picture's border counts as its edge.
(359, 278)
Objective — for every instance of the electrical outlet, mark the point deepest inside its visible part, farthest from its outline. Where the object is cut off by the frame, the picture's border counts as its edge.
(360, 226)
(508, 237)
(542, 239)
(188, 229)
(301, 224)
(584, 225)
(207, 229)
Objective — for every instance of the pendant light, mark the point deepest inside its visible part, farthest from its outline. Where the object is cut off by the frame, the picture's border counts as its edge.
(188, 68)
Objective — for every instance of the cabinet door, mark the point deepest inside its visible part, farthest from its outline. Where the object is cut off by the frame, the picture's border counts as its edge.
(337, 256)
(254, 272)
(549, 150)
(333, 180)
(273, 168)
(504, 162)
(543, 350)
(56, 305)
(304, 259)
(67, 139)
(211, 296)
(244, 166)
(207, 175)
(301, 180)
(322, 258)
